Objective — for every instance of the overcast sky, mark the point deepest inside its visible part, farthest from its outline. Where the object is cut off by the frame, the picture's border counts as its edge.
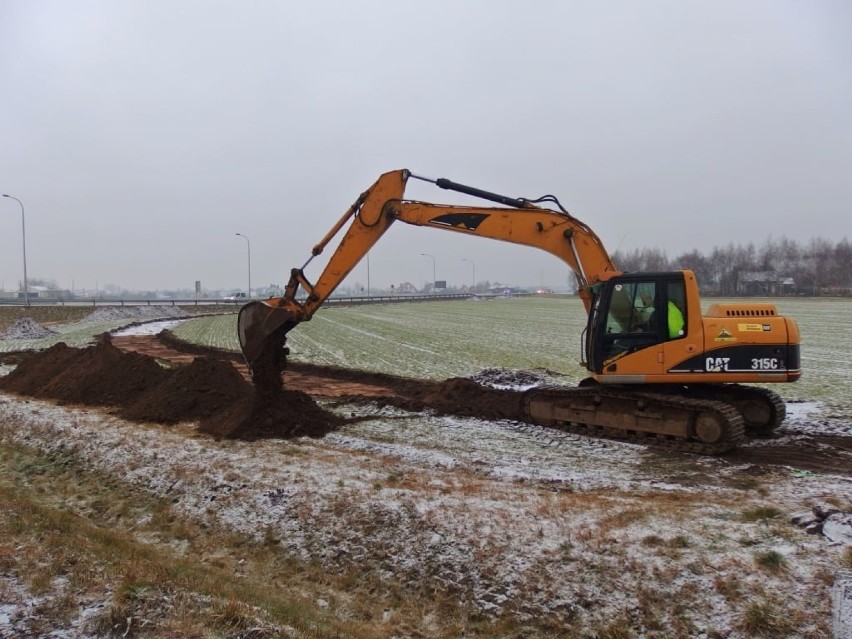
(142, 135)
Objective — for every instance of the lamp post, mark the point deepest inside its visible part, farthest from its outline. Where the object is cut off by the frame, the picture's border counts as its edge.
(472, 276)
(24, 237)
(248, 246)
(433, 269)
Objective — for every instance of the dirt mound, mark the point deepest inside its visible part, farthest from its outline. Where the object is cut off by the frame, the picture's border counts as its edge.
(35, 371)
(207, 390)
(462, 396)
(99, 375)
(26, 328)
(289, 414)
(195, 391)
(456, 396)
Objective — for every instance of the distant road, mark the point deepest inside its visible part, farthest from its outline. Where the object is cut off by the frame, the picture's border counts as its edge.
(107, 301)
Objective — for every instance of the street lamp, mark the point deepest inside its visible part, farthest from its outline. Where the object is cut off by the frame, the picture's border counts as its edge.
(433, 269)
(248, 246)
(472, 276)
(24, 236)
(368, 274)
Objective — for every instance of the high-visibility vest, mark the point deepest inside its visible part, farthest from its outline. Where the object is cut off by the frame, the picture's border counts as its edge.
(675, 321)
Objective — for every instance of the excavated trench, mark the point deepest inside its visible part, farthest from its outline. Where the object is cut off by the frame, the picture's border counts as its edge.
(210, 387)
(160, 379)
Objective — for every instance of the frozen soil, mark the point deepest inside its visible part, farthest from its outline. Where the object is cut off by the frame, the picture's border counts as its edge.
(438, 485)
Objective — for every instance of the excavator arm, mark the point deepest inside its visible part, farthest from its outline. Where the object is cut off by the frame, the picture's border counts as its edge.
(263, 325)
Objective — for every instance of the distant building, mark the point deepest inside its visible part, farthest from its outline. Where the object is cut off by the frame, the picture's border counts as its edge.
(764, 283)
(405, 288)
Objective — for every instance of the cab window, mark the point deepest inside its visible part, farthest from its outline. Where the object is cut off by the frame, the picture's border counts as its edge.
(676, 310)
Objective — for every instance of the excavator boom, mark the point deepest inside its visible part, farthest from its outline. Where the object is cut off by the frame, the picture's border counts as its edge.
(263, 325)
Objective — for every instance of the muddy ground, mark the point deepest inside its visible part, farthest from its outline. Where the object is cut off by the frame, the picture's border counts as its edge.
(127, 375)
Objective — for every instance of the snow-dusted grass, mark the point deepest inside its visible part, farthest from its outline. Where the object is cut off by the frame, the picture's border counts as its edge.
(439, 340)
(429, 339)
(560, 531)
(74, 334)
(101, 320)
(216, 331)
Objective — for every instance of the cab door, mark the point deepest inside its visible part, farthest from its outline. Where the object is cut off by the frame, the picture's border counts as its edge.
(627, 327)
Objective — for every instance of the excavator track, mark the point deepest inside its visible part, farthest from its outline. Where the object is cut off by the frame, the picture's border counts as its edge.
(702, 426)
(762, 410)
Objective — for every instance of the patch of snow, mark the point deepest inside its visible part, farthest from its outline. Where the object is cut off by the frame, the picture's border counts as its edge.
(148, 328)
(813, 418)
(838, 528)
(842, 605)
(26, 328)
(801, 410)
(508, 379)
(111, 313)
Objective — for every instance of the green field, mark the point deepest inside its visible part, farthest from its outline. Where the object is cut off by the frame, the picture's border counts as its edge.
(446, 339)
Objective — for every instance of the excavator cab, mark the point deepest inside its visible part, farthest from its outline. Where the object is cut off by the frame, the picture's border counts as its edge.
(635, 312)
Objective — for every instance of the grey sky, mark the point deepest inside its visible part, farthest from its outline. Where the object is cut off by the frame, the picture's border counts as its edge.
(142, 135)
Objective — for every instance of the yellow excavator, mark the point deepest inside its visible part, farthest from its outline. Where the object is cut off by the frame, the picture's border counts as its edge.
(660, 372)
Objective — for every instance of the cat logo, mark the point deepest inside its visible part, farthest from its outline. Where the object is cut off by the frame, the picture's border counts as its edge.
(717, 364)
(725, 336)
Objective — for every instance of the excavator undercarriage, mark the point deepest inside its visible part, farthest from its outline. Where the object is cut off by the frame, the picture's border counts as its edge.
(708, 421)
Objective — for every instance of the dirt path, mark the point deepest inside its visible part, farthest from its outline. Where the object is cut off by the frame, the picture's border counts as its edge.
(333, 384)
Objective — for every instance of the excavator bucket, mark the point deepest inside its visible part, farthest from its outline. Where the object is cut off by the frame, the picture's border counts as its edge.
(262, 330)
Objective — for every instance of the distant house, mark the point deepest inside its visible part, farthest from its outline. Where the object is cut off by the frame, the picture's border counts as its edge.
(764, 283)
(406, 288)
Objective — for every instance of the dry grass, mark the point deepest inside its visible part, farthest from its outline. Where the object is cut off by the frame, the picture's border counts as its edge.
(760, 513)
(77, 540)
(643, 566)
(766, 618)
(102, 552)
(846, 557)
(770, 560)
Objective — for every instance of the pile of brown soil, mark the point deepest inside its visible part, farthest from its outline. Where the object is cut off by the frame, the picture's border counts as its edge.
(462, 396)
(195, 391)
(99, 375)
(455, 396)
(211, 391)
(288, 414)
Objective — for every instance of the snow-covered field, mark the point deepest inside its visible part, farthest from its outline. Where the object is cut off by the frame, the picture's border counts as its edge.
(519, 519)
(439, 340)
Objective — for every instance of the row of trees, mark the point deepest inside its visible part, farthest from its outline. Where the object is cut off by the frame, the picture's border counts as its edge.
(780, 266)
